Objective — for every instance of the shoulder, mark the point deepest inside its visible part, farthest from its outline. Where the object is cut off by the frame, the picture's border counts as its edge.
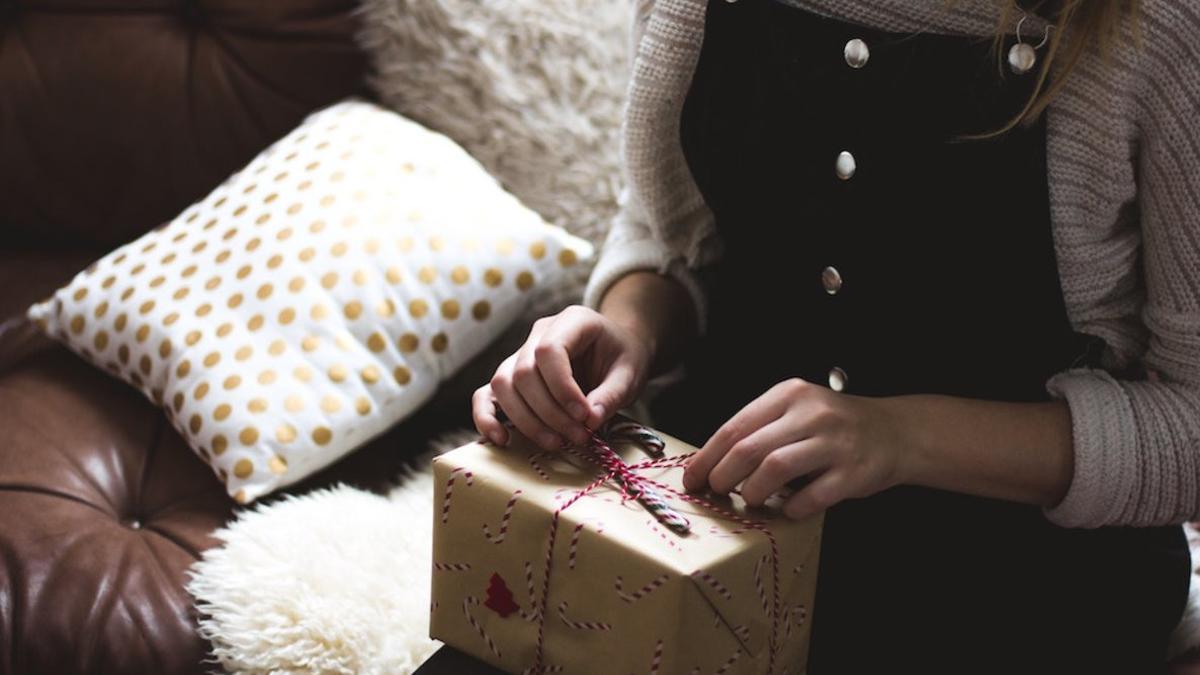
(1166, 38)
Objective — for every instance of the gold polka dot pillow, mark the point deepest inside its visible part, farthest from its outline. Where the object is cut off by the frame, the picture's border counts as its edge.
(315, 298)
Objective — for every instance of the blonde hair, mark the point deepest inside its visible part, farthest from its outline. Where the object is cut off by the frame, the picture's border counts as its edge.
(1078, 24)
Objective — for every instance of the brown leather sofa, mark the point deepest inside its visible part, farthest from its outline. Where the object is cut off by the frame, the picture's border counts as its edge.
(115, 115)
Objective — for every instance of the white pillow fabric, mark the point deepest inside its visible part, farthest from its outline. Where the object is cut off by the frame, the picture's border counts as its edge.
(315, 298)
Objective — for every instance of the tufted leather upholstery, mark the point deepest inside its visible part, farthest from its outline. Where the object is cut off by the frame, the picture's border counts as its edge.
(114, 115)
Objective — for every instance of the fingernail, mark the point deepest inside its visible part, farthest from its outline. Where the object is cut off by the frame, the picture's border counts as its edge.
(549, 440)
(577, 411)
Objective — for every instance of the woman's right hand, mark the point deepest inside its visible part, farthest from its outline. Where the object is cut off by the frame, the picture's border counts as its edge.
(541, 388)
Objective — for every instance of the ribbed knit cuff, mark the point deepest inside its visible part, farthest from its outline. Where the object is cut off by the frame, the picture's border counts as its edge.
(643, 254)
(1105, 440)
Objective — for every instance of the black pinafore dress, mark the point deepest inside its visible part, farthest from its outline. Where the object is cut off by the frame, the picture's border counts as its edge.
(870, 246)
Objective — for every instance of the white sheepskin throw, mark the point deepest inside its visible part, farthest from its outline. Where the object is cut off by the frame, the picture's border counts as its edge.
(334, 581)
(533, 89)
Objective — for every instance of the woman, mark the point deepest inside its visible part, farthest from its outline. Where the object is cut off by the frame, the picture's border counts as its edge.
(947, 279)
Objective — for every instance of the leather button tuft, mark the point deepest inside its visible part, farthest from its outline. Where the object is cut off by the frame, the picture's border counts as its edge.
(838, 379)
(831, 280)
(846, 165)
(857, 54)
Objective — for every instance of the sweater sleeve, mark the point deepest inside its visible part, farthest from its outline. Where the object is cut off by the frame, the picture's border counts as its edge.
(663, 224)
(1137, 442)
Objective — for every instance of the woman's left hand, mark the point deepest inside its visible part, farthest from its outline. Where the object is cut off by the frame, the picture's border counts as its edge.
(849, 445)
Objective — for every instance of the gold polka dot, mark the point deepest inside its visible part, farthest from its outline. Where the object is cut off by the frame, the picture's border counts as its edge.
(450, 309)
(222, 412)
(436, 243)
(255, 322)
(280, 176)
(143, 332)
(157, 281)
(316, 226)
(359, 278)
(177, 401)
(244, 271)
(170, 257)
(402, 374)
(372, 246)
(244, 467)
(310, 343)
(183, 368)
(277, 347)
(296, 285)
(339, 249)
(439, 342)
(181, 293)
(427, 274)
(239, 210)
(337, 176)
(481, 310)
(195, 423)
(119, 324)
(262, 219)
(224, 329)
(567, 257)
(408, 343)
(101, 340)
(78, 323)
(331, 403)
(264, 291)
(108, 283)
(370, 374)
(232, 382)
(493, 277)
(274, 261)
(277, 464)
(192, 338)
(293, 403)
(248, 436)
(337, 373)
(418, 308)
(266, 377)
(376, 342)
(203, 310)
(405, 244)
(329, 280)
(146, 307)
(393, 275)
(170, 319)
(525, 280)
(460, 275)
(537, 250)
(257, 405)
(137, 269)
(212, 283)
(319, 312)
(210, 224)
(362, 405)
(240, 496)
(164, 349)
(307, 254)
(231, 232)
(201, 391)
(353, 310)
(327, 200)
(219, 444)
(322, 435)
(212, 359)
(188, 271)
(286, 433)
(253, 244)
(287, 315)
(128, 292)
(385, 308)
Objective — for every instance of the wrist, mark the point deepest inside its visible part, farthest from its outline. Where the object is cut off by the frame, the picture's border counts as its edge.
(910, 439)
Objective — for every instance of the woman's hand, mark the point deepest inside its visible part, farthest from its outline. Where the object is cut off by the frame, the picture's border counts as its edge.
(538, 387)
(849, 445)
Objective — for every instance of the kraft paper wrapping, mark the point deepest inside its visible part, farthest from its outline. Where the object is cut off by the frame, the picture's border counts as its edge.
(626, 595)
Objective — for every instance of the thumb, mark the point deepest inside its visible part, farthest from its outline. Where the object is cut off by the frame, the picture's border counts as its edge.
(610, 395)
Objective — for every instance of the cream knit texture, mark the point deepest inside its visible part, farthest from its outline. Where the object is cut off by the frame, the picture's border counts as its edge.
(1123, 146)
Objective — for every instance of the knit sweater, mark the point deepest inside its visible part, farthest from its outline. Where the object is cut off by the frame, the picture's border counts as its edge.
(1123, 148)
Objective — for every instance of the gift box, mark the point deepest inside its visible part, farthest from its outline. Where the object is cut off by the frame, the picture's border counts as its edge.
(594, 560)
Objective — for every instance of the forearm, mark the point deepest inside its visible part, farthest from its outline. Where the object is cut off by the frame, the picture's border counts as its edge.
(1019, 452)
(657, 309)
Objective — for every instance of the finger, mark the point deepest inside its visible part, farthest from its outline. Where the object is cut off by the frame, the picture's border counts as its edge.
(755, 415)
(510, 401)
(610, 395)
(483, 412)
(819, 495)
(745, 455)
(553, 358)
(781, 466)
(527, 379)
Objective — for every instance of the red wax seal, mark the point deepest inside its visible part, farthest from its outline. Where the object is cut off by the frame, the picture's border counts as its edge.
(499, 598)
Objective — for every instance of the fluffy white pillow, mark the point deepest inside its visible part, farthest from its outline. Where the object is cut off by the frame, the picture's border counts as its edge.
(315, 298)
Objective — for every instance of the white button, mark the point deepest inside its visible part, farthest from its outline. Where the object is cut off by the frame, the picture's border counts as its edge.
(838, 379)
(845, 165)
(857, 54)
(1022, 58)
(831, 279)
